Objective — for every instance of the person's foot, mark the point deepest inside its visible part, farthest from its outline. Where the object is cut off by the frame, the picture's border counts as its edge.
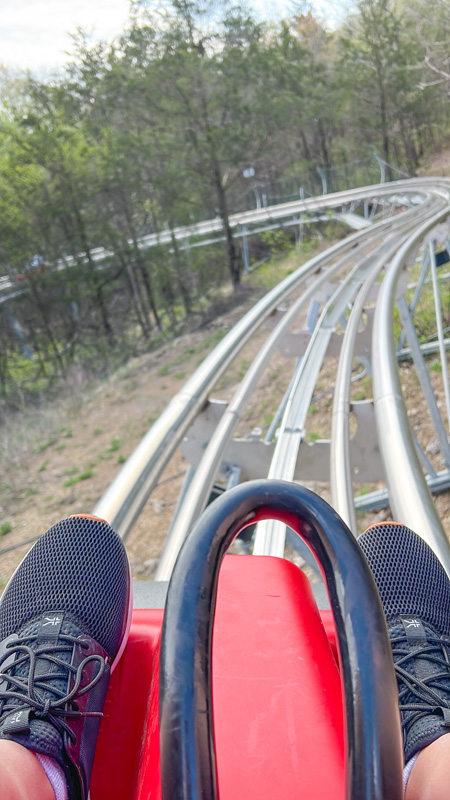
(415, 594)
(64, 621)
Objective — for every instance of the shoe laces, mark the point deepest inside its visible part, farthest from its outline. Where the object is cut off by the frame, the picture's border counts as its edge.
(39, 692)
(421, 696)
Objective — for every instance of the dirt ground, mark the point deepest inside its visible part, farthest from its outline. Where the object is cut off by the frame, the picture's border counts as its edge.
(59, 460)
(438, 164)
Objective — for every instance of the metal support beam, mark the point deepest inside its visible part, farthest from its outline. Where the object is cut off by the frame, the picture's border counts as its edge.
(424, 378)
(440, 331)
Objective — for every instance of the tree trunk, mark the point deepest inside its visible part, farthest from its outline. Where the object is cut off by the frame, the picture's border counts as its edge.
(184, 292)
(98, 292)
(323, 144)
(141, 267)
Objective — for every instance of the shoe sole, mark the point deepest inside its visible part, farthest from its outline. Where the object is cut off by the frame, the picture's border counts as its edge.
(123, 643)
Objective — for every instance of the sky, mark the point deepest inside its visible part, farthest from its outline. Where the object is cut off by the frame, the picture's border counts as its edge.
(34, 34)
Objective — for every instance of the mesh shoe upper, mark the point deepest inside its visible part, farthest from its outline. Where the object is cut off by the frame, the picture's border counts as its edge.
(415, 594)
(63, 621)
(80, 566)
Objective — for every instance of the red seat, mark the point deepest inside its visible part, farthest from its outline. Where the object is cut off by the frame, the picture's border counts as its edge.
(276, 695)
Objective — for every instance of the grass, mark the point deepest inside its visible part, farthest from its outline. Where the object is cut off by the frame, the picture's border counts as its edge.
(164, 370)
(83, 476)
(45, 445)
(5, 527)
(88, 473)
(114, 445)
(424, 314)
(121, 459)
(70, 472)
(131, 385)
(244, 365)
(363, 388)
(214, 338)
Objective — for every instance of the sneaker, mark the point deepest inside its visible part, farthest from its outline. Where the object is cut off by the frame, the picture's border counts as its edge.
(64, 621)
(415, 594)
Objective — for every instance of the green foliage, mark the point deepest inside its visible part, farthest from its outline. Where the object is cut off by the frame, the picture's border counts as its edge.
(83, 476)
(277, 241)
(45, 445)
(155, 130)
(5, 528)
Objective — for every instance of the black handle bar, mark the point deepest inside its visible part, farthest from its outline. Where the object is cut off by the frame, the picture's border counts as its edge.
(374, 755)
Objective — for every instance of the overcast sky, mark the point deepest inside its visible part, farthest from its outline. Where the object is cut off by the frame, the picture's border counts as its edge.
(35, 33)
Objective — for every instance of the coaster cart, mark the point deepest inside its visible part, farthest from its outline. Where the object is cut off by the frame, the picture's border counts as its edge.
(241, 688)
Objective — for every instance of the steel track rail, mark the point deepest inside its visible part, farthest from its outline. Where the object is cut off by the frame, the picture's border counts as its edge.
(200, 487)
(126, 496)
(272, 215)
(340, 467)
(123, 500)
(270, 537)
(409, 495)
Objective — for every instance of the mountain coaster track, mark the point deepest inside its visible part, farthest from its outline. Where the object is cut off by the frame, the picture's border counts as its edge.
(205, 428)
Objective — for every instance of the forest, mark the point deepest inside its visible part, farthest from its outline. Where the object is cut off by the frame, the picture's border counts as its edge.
(197, 110)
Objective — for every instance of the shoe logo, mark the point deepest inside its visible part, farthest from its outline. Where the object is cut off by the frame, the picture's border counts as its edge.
(50, 625)
(19, 722)
(412, 623)
(52, 621)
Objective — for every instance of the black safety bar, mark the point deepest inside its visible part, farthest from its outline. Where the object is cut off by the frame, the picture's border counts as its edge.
(372, 720)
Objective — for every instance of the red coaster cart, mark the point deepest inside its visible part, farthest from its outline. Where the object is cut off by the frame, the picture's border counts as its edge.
(241, 688)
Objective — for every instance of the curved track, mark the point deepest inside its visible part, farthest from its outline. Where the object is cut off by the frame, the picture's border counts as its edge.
(340, 280)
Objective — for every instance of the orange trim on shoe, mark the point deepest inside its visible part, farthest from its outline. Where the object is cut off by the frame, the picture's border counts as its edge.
(88, 516)
(380, 524)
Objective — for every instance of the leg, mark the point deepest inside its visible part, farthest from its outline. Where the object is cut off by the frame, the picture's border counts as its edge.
(430, 776)
(20, 770)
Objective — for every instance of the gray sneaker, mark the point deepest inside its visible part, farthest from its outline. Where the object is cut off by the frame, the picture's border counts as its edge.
(415, 594)
(64, 621)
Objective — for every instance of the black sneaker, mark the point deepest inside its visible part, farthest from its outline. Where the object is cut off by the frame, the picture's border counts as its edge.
(415, 593)
(64, 621)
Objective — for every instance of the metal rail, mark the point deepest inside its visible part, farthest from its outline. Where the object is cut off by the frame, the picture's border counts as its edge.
(122, 502)
(365, 253)
(270, 537)
(241, 223)
(410, 498)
